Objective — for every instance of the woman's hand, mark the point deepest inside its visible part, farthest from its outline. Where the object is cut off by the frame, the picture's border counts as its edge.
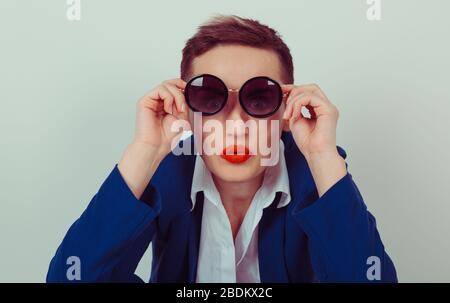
(157, 111)
(315, 136)
(155, 114)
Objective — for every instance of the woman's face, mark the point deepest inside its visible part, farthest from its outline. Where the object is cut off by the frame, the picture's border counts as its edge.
(235, 64)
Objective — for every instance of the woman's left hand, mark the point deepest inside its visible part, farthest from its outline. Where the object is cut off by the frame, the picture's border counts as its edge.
(315, 136)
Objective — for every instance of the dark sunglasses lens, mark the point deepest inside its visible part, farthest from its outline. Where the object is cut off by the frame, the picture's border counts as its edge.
(206, 94)
(261, 97)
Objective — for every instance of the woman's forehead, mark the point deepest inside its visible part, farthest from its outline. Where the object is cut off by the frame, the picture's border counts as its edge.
(235, 64)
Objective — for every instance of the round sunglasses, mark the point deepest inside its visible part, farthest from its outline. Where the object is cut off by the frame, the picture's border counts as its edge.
(260, 96)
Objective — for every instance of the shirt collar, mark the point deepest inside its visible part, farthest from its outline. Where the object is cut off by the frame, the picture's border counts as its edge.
(276, 179)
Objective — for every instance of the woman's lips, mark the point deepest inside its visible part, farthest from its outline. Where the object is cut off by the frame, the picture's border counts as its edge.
(236, 154)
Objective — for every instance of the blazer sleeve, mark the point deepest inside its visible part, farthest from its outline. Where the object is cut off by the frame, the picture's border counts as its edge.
(345, 245)
(111, 235)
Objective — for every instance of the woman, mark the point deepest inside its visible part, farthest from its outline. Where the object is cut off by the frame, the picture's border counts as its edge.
(230, 211)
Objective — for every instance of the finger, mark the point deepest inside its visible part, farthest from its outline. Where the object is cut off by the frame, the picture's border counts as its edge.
(290, 106)
(147, 102)
(288, 111)
(314, 88)
(306, 88)
(286, 88)
(162, 94)
(179, 97)
(179, 83)
(315, 105)
(297, 110)
(157, 106)
(297, 106)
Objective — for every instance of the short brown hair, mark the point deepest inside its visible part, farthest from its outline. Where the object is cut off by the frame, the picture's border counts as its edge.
(231, 29)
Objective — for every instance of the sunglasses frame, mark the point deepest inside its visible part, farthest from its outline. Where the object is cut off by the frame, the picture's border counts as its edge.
(239, 91)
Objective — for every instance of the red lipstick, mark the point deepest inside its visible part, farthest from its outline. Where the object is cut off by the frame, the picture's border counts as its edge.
(230, 153)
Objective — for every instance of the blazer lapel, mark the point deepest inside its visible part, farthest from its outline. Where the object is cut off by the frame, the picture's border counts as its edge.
(272, 238)
(272, 267)
(194, 237)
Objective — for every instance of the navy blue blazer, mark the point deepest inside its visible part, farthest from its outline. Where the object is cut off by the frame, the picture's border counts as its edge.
(312, 239)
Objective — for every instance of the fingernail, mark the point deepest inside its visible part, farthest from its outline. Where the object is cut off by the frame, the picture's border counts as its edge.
(182, 108)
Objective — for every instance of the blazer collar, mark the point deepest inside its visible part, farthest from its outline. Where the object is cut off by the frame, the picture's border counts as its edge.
(276, 179)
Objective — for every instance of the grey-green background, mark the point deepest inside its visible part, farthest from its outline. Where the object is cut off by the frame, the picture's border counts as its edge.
(68, 93)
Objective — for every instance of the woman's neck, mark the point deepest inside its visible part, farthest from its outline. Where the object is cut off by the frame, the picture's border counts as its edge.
(236, 198)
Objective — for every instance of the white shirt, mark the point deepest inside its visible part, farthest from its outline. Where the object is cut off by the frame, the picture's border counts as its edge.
(221, 260)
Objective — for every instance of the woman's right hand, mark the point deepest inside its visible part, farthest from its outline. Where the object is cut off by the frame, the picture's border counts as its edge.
(156, 112)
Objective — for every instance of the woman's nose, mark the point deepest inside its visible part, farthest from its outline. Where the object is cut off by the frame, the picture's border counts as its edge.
(236, 115)
(233, 109)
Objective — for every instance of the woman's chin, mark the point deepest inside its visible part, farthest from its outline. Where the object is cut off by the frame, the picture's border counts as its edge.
(235, 171)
